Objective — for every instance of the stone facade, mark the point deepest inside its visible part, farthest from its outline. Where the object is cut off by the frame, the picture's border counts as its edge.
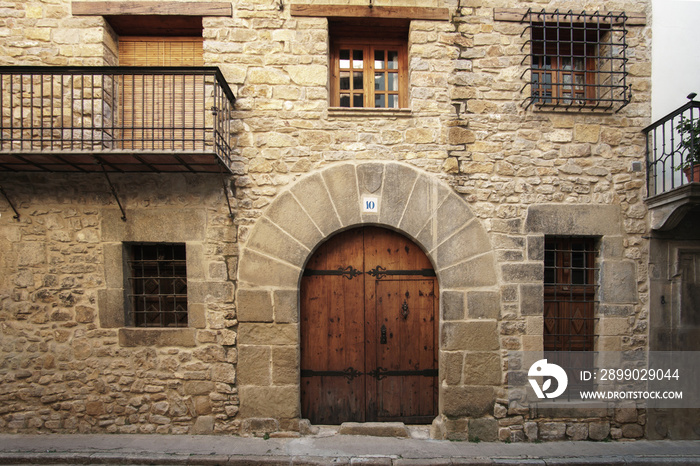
(467, 172)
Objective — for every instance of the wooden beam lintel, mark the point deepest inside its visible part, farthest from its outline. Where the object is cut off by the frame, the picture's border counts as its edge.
(114, 8)
(360, 11)
(517, 15)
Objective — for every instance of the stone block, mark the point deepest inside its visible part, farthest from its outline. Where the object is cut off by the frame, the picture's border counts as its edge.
(341, 181)
(532, 300)
(626, 414)
(552, 430)
(268, 334)
(288, 215)
(523, 273)
(313, 196)
(254, 366)
(198, 387)
(110, 303)
(254, 306)
(468, 242)
(451, 367)
(485, 429)
(285, 306)
(482, 369)
(531, 431)
(460, 401)
(158, 337)
(559, 219)
(203, 425)
(224, 373)
(618, 282)
(452, 305)
(452, 215)
(479, 271)
(535, 248)
(271, 240)
(425, 199)
(285, 365)
(374, 429)
(259, 270)
(393, 203)
(577, 431)
(153, 225)
(470, 336)
(483, 304)
(278, 402)
(598, 430)
(260, 425)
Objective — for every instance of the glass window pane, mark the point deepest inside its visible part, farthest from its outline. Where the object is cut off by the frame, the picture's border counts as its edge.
(344, 100)
(379, 59)
(379, 101)
(357, 80)
(393, 101)
(379, 84)
(566, 78)
(357, 59)
(393, 81)
(566, 63)
(358, 100)
(345, 59)
(578, 64)
(393, 60)
(344, 80)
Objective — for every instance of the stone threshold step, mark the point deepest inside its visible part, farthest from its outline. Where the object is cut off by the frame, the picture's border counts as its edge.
(375, 429)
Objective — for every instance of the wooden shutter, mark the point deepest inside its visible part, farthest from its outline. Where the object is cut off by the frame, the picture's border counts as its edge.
(162, 111)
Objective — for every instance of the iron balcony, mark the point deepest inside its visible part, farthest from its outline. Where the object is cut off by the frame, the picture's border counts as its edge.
(115, 119)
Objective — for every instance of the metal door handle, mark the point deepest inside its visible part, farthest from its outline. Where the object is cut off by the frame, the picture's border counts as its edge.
(382, 338)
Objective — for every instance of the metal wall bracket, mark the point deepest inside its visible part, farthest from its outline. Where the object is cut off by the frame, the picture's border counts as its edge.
(16, 216)
(113, 189)
(228, 201)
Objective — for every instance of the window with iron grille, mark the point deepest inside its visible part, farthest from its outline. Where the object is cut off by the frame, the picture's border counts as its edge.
(570, 294)
(577, 60)
(158, 285)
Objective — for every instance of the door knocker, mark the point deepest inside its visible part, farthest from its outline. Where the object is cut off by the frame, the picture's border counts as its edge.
(404, 310)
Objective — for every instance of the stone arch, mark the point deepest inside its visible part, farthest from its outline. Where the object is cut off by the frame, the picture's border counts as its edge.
(320, 204)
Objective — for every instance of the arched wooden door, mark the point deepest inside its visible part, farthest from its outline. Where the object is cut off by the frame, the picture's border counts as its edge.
(369, 306)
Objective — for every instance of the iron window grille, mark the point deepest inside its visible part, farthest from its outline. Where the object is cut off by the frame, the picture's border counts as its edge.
(577, 61)
(570, 293)
(158, 280)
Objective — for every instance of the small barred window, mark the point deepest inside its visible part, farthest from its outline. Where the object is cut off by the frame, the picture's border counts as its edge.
(158, 279)
(577, 61)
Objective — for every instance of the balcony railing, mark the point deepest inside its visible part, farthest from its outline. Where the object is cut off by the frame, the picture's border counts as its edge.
(119, 119)
(673, 149)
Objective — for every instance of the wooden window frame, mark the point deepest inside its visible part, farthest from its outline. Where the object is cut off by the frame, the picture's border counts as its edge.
(563, 47)
(368, 48)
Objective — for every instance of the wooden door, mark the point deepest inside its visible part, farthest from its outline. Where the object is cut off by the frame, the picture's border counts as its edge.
(368, 330)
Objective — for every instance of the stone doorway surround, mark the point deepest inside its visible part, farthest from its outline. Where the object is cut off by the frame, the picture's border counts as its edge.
(330, 200)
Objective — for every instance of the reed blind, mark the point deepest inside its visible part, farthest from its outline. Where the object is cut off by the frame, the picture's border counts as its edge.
(160, 110)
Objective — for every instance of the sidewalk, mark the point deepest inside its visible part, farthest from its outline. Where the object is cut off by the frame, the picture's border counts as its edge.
(334, 449)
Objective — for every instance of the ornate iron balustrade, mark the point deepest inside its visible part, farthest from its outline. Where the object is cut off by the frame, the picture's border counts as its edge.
(118, 119)
(673, 149)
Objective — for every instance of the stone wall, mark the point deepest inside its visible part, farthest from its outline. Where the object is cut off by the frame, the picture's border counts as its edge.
(67, 364)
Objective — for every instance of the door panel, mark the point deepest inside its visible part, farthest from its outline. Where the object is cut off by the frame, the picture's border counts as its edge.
(349, 372)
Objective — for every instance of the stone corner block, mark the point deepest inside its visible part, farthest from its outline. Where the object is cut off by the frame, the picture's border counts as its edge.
(278, 402)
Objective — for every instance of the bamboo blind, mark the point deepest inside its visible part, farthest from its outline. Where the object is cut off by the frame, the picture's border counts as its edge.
(162, 111)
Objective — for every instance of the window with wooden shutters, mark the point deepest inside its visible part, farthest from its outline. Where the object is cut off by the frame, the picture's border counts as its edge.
(369, 64)
(162, 111)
